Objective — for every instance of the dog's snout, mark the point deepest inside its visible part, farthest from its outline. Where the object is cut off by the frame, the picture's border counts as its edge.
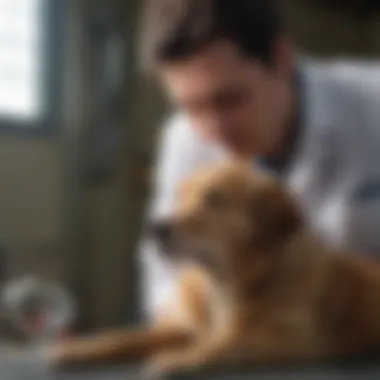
(161, 231)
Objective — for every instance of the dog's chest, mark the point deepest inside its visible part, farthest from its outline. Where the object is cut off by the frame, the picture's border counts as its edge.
(220, 309)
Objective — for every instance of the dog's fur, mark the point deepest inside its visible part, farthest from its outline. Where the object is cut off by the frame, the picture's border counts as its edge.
(256, 285)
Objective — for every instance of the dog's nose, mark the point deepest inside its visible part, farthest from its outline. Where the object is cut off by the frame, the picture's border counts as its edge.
(161, 231)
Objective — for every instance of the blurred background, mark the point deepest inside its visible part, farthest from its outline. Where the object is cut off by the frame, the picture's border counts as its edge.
(77, 137)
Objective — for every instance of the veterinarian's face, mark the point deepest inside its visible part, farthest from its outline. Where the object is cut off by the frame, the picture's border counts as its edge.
(224, 220)
(232, 99)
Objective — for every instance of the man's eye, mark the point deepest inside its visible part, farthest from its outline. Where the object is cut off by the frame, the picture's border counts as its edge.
(215, 199)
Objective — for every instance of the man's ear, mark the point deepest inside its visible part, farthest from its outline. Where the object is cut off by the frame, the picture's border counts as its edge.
(277, 214)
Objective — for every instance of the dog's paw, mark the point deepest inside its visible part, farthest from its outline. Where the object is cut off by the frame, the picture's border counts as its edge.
(57, 355)
(161, 366)
(50, 356)
(164, 365)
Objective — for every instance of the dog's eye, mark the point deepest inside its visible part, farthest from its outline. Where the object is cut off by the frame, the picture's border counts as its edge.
(215, 199)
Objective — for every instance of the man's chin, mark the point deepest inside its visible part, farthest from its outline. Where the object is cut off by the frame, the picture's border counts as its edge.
(241, 150)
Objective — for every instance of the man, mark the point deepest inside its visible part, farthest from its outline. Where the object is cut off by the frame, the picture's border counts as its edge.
(230, 69)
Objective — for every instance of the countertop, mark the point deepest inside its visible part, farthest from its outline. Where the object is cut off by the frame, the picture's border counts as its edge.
(28, 365)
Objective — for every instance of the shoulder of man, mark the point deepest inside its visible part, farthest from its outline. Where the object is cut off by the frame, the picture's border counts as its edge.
(344, 83)
(354, 72)
(344, 97)
(349, 94)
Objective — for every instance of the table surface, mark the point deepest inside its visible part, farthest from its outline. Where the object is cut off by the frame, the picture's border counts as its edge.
(29, 365)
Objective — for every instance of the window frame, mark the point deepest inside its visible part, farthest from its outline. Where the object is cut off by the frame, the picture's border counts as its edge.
(51, 79)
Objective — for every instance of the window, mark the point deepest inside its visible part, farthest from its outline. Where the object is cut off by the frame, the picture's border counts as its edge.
(26, 63)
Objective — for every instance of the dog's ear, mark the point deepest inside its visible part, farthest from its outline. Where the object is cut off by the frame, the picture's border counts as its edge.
(277, 214)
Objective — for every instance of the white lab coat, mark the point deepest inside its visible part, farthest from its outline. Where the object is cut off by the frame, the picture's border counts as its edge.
(335, 170)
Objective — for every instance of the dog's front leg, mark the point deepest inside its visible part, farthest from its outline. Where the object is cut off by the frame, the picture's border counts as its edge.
(133, 344)
(208, 351)
(239, 349)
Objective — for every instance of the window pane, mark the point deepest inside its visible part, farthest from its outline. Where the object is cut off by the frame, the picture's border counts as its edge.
(21, 59)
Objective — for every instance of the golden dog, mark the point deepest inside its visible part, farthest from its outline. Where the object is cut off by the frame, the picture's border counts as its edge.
(256, 285)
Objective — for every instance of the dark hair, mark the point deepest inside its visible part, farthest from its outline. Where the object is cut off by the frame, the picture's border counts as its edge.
(175, 29)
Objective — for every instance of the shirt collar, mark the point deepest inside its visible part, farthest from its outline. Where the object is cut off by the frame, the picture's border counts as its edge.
(276, 165)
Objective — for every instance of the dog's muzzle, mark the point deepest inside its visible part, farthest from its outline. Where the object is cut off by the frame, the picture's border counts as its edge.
(161, 232)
